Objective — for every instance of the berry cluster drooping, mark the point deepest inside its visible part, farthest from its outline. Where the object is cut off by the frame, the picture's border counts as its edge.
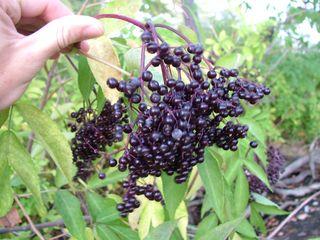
(94, 133)
(193, 106)
(275, 166)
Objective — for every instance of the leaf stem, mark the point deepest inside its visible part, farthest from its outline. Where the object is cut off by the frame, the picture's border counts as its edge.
(10, 118)
(104, 62)
(123, 18)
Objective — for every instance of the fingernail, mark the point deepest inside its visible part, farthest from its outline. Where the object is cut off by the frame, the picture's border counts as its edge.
(94, 30)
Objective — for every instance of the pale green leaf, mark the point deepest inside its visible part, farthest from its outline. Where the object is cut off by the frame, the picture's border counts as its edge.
(172, 201)
(21, 162)
(124, 232)
(233, 60)
(69, 208)
(263, 200)
(103, 49)
(163, 231)
(51, 137)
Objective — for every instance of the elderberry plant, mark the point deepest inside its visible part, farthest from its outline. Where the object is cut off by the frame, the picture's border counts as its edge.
(194, 105)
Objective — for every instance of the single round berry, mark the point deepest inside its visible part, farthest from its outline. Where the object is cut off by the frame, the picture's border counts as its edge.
(147, 76)
(253, 144)
(152, 47)
(112, 83)
(112, 162)
(102, 176)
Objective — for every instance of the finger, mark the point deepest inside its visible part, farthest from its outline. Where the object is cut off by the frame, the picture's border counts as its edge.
(48, 10)
(63, 32)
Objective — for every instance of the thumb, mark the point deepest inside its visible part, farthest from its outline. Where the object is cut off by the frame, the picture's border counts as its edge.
(63, 32)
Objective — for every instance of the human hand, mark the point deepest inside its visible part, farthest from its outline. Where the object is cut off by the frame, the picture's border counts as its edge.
(53, 28)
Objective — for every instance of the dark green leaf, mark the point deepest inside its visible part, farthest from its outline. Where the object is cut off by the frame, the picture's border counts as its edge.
(163, 231)
(222, 231)
(4, 116)
(51, 137)
(69, 208)
(241, 193)
(21, 162)
(102, 210)
(173, 194)
(206, 225)
(100, 100)
(85, 78)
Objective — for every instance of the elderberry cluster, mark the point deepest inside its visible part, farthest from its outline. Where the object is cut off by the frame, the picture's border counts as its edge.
(193, 106)
(94, 133)
(275, 167)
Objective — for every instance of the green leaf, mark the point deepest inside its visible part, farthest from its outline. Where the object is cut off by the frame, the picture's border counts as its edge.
(213, 183)
(4, 116)
(256, 220)
(124, 232)
(21, 162)
(102, 210)
(85, 78)
(6, 192)
(257, 170)
(163, 231)
(69, 208)
(103, 232)
(189, 33)
(111, 178)
(206, 225)
(232, 170)
(246, 229)
(172, 201)
(263, 200)
(101, 100)
(222, 231)
(271, 210)
(241, 193)
(233, 60)
(49, 134)
(113, 26)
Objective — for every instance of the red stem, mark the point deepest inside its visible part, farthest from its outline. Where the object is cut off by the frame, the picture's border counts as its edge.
(123, 18)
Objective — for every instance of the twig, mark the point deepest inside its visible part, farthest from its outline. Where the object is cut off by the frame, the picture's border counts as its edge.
(284, 222)
(32, 226)
(71, 63)
(58, 88)
(59, 236)
(83, 7)
(298, 192)
(291, 168)
(297, 179)
(58, 223)
(104, 62)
